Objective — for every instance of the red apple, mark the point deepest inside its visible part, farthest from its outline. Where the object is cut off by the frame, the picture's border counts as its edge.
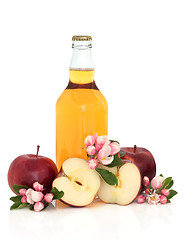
(29, 168)
(142, 158)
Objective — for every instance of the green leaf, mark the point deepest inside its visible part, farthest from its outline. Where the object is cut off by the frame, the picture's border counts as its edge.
(16, 188)
(107, 176)
(166, 182)
(57, 194)
(171, 194)
(22, 205)
(16, 198)
(117, 162)
(122, 153)
(114, 141)
(161, 175)
(168, 201)
(15, 205)
(170, 184)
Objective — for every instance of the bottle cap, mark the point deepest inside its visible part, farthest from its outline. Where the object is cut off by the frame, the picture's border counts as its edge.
(82, 38)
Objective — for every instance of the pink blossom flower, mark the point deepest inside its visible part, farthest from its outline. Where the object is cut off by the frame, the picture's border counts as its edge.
(89, 140)
(93, 163)
(23, 199)
(115, 148)
(156, 183)
(33, 196)
(38, 206)
(104, 152)
(165, 192)
(37, 186)
(141, 199)
(146, 181)
(153, 198)
(101, 140)
(22, 191)
(103, 155)
(163, 199)
(48, 197)
(91, 150)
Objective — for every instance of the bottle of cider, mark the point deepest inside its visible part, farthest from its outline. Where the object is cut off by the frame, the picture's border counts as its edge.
(81, 109)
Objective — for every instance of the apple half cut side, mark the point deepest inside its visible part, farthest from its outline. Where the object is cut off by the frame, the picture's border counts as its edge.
(128, 187)
(79, 183)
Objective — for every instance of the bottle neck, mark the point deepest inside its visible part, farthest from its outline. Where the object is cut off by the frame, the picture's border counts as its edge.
(81, 66)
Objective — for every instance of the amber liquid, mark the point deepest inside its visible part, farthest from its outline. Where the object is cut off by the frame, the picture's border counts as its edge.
(81, 110)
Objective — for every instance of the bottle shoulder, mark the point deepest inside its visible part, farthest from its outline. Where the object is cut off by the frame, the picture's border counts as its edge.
(74, 97)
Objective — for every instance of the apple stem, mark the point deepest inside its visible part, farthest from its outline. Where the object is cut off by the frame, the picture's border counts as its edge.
(117, 175)
(135, 147)
(38, 147)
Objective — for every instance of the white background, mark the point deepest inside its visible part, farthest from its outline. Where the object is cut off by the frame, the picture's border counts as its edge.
(138, 51)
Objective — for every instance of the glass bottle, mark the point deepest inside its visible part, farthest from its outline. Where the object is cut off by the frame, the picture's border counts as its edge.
(81, 109)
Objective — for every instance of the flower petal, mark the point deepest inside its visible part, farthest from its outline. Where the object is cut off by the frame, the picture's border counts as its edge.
(115, 148)
(104, 152)
(101, 139)
(36, 196)
(29, 197)
(107, 160)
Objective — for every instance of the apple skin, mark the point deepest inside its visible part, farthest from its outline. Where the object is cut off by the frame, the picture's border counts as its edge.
(29, 168)
(142, 158)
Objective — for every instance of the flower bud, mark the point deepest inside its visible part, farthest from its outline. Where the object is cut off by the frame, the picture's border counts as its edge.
(141, 199)
(163, 199)
(91, 150)
(156, 183)
(22, 191)
(146, 181)
(48, 197)
(93, 163)
(37, 186)
(147, 191)
(23, 199)
(38, 206)
(165, 192)
(89, 140)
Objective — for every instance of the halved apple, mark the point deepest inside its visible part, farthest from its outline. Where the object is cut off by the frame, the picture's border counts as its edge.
(79, 183)
(128, 187)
